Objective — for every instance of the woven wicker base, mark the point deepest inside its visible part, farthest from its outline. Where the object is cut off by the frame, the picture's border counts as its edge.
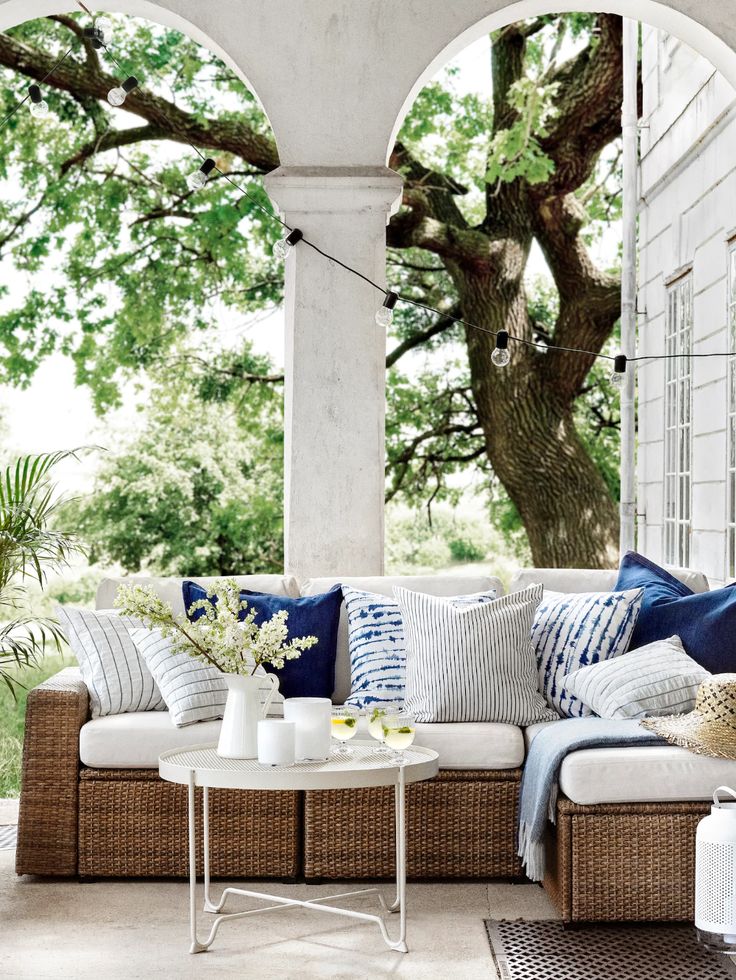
(133, 824)
(624, 862)
(459, 825)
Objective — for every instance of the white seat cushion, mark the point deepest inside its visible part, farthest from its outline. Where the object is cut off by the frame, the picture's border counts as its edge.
(474, 744)
(592, 579)
(439, 585)
(136, 740)
(643, 774)
(531, 730)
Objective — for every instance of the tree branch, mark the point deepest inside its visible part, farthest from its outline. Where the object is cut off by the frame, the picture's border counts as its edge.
(174, 123)
(422, 336)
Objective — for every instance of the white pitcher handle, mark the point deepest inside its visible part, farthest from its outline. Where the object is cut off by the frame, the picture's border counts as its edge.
(270, 696)
(723, 789)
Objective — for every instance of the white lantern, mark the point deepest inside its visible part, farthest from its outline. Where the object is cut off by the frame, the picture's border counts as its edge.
(715, 875)
(312, 717)
(276, 742)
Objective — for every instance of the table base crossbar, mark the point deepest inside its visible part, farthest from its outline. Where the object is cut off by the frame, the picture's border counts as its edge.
(317, 904)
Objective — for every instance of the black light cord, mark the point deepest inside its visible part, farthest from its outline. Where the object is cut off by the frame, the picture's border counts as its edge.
(619, 360)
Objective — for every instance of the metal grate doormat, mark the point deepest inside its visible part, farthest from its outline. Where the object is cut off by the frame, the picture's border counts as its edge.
(547, 951)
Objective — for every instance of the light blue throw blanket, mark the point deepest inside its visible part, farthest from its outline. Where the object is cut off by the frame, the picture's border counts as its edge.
(542, 768)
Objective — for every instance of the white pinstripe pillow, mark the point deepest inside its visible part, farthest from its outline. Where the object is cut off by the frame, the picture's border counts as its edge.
(657, 679)
(193, 691)
(116, 676)
(473, 662)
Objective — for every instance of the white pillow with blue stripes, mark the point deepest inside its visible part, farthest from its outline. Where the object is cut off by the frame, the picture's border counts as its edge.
(573, 630)
(377, 645)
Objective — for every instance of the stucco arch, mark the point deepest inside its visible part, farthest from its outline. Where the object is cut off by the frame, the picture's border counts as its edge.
(335, 77)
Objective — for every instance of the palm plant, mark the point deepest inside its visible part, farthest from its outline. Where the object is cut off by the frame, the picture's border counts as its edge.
(29, 548)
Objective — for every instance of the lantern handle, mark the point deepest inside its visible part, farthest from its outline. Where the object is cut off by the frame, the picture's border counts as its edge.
(723, 789)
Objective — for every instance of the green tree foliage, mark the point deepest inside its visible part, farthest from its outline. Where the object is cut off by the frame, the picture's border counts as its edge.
(195, 491)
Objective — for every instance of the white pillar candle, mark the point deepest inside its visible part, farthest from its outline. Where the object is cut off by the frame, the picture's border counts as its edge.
(276, 742)
(313, 726)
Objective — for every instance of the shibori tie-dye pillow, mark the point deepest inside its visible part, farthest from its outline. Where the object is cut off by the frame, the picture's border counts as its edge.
(377, 645)
(573, 630)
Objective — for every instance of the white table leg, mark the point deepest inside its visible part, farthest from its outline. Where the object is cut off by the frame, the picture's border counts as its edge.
(195, 945)
(399, 905)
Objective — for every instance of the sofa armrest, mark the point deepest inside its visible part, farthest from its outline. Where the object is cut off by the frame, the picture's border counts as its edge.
(47, 822)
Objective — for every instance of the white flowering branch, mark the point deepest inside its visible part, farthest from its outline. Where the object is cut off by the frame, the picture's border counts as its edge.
(220, 637)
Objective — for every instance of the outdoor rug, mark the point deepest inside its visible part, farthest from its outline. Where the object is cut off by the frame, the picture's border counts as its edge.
(8, 837)
(546, 951)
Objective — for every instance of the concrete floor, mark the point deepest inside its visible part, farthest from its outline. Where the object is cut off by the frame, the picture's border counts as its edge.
(110, 930)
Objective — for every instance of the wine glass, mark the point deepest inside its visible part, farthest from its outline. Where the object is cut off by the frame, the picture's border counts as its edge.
(344, 727)
(399, 731)
(375, 722)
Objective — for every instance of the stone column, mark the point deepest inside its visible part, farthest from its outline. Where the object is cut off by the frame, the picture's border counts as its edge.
(335, 367)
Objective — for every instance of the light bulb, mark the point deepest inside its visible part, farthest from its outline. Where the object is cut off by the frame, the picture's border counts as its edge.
(116, 96)
(284, 245)
(104, 24)
(198, 179)
(38, 107)
(500, 356)
(385, 315)
(619, 371)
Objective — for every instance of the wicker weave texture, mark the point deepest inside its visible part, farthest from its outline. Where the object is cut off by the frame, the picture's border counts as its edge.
(137, 827)
(47, 821)
(625, 862)
(459, 825)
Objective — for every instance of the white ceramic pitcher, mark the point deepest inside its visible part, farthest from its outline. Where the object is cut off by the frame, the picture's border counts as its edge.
(243, 709)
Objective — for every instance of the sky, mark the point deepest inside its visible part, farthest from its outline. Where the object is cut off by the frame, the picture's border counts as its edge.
(55, 414)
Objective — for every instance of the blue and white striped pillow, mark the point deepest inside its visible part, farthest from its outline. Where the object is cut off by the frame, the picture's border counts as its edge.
(572, 630)
(377, 645)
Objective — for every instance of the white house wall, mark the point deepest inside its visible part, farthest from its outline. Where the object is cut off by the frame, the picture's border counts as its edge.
(687, 216)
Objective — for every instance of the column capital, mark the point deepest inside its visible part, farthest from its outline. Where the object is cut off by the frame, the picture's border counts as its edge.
(335, 190)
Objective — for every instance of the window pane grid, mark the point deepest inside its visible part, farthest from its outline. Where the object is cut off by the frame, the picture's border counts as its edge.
(678, 422)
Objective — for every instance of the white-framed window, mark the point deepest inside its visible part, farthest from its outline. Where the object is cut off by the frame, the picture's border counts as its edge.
(731, 456)
(678, 422)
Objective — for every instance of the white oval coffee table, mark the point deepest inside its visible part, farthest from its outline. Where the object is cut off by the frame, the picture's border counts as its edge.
(200, 765)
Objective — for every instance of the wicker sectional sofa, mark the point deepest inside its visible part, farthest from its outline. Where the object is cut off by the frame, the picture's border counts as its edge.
(92, 804)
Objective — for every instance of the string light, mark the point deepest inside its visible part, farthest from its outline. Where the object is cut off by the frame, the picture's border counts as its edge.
(39, 107)
(98, 35)
(385, 315)
(116, 96)
(198, 178)
(95, 35)
(619, 370)
(104, 26)
(501, 355)
(284, 245)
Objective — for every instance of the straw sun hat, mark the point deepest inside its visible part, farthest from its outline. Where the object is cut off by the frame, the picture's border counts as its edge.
(710, 729)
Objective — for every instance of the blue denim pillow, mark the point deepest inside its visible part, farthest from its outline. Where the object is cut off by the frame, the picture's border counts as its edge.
(704, 621)
(313, 674)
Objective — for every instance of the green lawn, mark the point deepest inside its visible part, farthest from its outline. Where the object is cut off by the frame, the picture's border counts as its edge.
(12, 717)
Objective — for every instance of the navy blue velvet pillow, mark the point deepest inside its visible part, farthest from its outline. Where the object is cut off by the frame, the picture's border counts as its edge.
(704, 621)
(313, 674)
